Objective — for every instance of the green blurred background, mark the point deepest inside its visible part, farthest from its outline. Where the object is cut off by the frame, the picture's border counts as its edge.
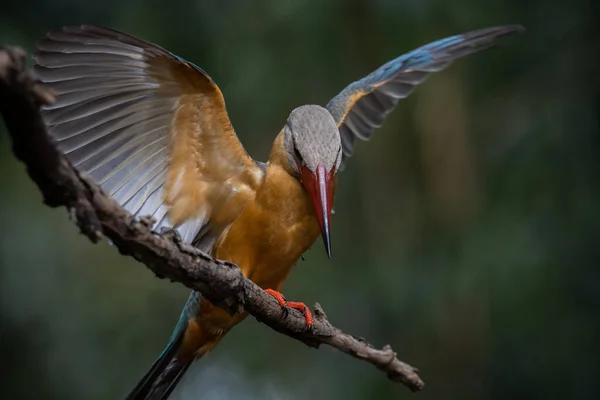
(465, 233)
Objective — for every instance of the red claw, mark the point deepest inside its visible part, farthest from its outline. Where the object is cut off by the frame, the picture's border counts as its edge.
(292, 304)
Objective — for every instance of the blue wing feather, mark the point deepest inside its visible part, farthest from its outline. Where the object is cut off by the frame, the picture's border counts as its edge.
(363, 105)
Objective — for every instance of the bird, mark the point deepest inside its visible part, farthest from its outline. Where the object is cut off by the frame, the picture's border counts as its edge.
(153, 130)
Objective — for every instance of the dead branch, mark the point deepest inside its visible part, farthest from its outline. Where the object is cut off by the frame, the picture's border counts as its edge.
(97, 214)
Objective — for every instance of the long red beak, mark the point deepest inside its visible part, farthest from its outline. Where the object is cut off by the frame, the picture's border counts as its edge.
(319, 186)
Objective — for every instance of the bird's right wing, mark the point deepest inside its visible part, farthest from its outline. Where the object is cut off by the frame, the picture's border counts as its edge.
(363, 105)
(148, 126)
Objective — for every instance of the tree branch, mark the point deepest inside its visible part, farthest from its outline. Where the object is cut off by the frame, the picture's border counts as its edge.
(97, 214)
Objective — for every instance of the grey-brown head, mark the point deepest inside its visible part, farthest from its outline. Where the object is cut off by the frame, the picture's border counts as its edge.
(314, 149)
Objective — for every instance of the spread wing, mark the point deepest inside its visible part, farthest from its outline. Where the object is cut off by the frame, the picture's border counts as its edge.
(363, 105)
(149, 127)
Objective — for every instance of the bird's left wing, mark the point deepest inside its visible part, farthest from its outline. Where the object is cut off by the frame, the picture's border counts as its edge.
(363, 105)
(150, 127)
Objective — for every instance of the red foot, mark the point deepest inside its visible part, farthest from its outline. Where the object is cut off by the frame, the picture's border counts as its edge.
(292, 304)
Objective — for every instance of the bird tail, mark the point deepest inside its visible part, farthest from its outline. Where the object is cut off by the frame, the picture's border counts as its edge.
(163, 376)
(170, 366)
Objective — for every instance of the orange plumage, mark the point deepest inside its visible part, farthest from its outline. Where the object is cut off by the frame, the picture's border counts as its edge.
(265, 241)
(153, 130)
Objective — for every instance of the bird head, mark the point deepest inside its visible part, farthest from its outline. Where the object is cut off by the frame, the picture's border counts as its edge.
(314, 149)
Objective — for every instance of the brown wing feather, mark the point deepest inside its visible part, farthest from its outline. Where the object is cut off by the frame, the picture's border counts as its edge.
(150, 127)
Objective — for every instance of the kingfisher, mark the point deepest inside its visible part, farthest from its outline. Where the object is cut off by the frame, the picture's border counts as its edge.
(152, 129)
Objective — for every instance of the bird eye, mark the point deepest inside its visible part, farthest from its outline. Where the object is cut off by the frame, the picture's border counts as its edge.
(297, 154)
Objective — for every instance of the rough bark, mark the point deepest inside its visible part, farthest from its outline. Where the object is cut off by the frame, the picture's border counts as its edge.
(98, 215)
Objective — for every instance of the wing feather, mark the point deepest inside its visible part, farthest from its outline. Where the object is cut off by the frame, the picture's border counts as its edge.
(150, 127)
(363, 105)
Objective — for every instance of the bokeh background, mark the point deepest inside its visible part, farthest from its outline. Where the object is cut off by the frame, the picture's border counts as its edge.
(465, 233)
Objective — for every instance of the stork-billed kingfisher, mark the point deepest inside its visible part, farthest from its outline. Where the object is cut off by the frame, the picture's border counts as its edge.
(153, 131)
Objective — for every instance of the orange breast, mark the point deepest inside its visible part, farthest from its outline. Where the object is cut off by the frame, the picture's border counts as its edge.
(272, 232)
(265, 241)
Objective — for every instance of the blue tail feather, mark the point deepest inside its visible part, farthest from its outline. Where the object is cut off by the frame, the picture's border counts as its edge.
(168, 369)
